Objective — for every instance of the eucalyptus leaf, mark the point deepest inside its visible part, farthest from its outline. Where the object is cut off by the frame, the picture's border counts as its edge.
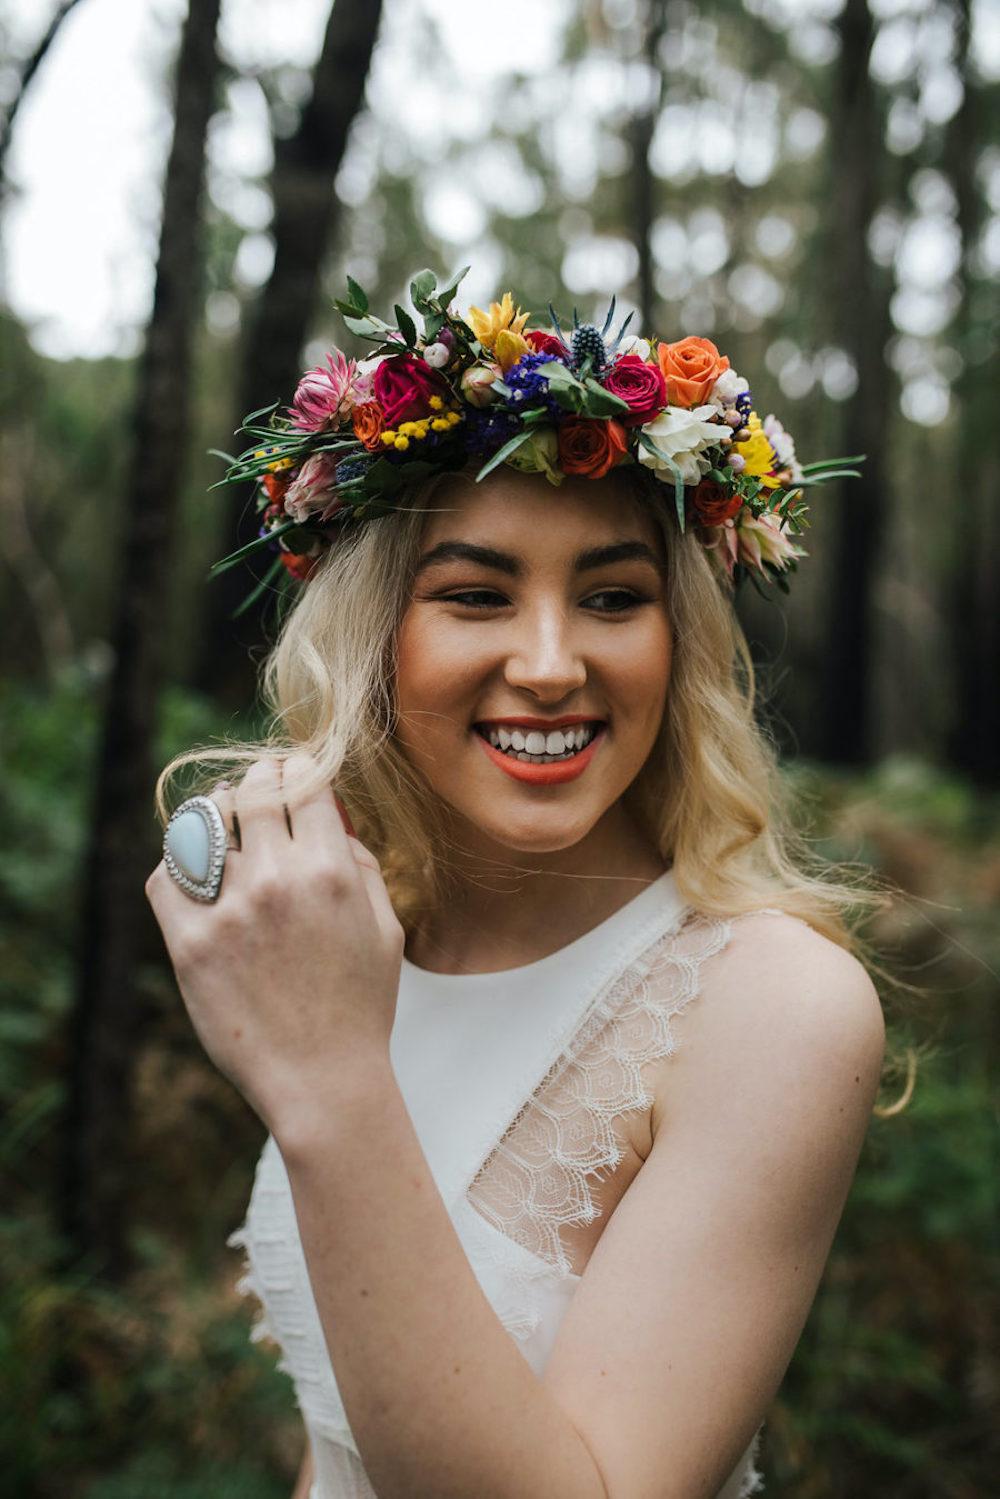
(446, 293)
(601, 401)
(422, 288)
(358, 296)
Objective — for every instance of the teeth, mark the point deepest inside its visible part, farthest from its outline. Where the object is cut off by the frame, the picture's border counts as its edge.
(536, 748)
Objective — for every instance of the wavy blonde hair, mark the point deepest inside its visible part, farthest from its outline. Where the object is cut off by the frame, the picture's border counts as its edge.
(711, 796)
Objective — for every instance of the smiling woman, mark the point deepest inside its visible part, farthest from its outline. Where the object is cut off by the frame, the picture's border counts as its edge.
(528, 1220)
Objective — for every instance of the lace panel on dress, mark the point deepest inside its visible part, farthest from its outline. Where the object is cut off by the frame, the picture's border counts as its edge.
(537, 1180)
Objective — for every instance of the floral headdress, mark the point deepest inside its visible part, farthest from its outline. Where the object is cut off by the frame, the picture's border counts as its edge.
(485, 387)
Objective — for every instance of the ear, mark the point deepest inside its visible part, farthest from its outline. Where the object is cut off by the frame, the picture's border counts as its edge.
(348, 825)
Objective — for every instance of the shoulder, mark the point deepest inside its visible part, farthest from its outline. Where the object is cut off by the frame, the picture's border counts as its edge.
(782, 1017)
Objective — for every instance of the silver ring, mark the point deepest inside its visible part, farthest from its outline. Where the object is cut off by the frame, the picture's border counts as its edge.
(194, 848)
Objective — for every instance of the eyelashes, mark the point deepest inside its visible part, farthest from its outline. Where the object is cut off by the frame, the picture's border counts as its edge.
(625, 598)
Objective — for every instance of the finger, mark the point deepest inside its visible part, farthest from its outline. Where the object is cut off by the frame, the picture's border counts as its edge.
(312, 807)
(224, 797)
(259, 806)
(375, 889)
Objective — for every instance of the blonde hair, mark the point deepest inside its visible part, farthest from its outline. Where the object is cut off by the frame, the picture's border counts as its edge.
(711, 796)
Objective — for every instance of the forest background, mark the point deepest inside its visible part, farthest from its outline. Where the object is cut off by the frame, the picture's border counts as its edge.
(813, 184)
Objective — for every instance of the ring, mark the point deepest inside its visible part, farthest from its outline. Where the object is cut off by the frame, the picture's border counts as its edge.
(194, 848)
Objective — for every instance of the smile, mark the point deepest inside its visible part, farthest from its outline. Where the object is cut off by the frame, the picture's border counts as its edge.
(542, 758)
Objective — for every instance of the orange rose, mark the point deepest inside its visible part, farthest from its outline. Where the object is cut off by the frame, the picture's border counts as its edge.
(590, 447)
(690, 368)
(712, 505)
(368, 421)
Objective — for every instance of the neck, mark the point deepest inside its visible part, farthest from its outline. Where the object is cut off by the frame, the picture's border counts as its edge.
(505, 908)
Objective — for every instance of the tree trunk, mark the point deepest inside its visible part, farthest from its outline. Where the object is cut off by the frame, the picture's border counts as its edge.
(305, 216)
(973, 583)
(115, 918)
(859, 302)
(641, 130)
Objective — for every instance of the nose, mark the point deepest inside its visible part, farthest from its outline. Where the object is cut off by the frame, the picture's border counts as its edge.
(544, 657)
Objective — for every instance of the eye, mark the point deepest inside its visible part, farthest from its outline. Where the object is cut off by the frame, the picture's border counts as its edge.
(623, 598)
(473, 598)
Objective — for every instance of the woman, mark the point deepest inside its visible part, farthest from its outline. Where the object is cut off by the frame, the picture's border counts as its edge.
(556, 1228)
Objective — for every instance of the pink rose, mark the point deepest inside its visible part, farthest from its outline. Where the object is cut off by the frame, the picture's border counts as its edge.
(640, 385)
(403, 387)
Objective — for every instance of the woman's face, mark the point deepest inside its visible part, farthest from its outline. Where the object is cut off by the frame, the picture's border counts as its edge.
(537, 612)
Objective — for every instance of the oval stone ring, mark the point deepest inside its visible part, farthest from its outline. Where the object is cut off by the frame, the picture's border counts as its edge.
(194, 848)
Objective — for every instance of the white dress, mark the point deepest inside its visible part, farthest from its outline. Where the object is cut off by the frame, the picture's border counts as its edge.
(514, 1082)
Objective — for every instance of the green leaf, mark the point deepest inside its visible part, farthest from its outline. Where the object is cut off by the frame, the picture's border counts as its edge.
(276, 567)
(433, 323)
(601, 402)
(226, 563)
(830, 473)
(813, 468)
(226, 457)
(358, 297)
(504, 453)
(383, 478)
(367, 327)
(406, 326)
(446, 293)
(422, 289)
(253, 415)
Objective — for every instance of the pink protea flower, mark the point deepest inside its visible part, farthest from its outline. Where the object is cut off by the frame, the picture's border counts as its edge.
(761, 540)
(312, 489)
(325, 396)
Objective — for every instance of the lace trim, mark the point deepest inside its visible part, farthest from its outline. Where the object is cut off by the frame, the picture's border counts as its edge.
(537, 1180)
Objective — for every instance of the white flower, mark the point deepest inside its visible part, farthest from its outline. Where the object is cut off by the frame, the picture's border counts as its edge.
(783, 445)
(681, 436)
(437, 356)
(633, 344)
(725, 390)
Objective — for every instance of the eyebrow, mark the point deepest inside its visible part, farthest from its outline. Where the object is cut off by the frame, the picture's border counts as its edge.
(503, 562)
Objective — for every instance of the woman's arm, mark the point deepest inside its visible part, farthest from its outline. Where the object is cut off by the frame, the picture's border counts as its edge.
(692, 1303)
(307, 1472)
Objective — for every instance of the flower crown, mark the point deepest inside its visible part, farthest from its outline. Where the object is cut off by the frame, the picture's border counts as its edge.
(486, 387)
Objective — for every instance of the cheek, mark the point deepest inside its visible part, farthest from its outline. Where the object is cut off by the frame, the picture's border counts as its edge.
(641, 669)
(434, 667)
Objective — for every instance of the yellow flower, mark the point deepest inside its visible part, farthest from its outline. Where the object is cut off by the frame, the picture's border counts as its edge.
(388, 438)
(436, 403)
(757, 453)
(439, 424)
(453, 418)
(501, 318)
(401, 444)
(509, 348)
(279, 464)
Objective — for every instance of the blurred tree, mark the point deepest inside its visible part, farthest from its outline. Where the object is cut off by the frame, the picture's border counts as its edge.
(858, 309)
(974, 557)
(306, 213)
(27, 72)
(104, 1024)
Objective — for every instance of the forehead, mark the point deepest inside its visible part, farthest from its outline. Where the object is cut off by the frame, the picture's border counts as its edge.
(525, 513)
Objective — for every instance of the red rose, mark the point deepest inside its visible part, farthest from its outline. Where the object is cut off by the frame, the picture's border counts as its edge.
(590, 447)
(545, 343)
(403, 387)
(640, 384)
(712, 505)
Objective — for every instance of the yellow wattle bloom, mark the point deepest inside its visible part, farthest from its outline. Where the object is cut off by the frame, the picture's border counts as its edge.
(757, 453)
(501, 318)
